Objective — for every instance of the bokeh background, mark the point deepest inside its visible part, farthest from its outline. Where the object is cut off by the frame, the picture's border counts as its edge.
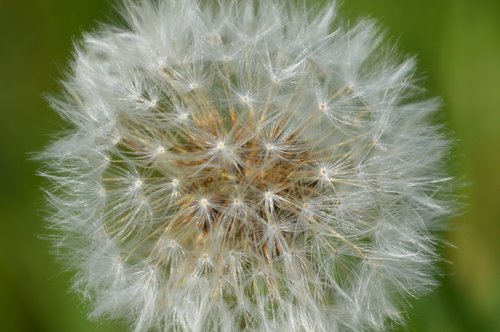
(458, 47)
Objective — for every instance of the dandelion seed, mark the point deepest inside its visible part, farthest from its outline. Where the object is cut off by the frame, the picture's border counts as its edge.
(246, 166)
(183, 116)
(159, 151)
(138, 184)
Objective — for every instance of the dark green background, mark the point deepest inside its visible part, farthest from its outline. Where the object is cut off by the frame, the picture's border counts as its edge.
(458, 47)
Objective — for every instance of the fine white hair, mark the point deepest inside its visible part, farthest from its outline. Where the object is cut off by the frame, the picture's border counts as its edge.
(246, 166)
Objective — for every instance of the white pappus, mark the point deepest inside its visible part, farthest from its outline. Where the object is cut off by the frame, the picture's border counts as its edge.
(245, 166)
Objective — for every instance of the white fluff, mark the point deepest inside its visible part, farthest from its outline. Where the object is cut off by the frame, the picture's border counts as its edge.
(245, 165)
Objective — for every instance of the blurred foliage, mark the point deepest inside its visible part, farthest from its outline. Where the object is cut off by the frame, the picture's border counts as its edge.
(458, 47)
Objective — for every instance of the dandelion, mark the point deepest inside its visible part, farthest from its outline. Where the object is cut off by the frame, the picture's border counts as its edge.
(245, 166)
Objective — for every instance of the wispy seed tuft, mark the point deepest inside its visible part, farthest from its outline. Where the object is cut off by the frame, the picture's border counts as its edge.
(246, 166)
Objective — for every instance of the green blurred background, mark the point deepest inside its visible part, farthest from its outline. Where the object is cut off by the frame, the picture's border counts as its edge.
(458, 47)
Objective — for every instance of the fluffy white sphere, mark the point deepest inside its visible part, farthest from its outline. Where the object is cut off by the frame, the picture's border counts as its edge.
(245, 165)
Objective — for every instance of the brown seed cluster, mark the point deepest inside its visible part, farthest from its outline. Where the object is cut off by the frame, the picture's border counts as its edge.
(243, 174)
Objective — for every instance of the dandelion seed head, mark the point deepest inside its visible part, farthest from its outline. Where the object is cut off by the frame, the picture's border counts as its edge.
(246, 166)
